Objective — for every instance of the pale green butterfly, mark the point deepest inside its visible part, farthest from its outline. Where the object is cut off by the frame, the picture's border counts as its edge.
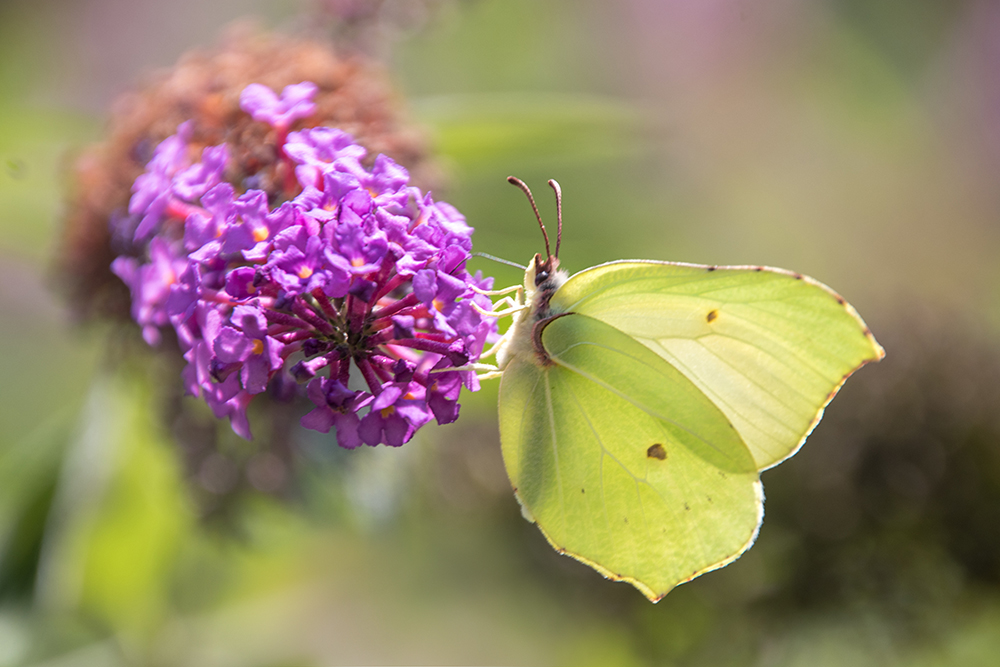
(639, 401)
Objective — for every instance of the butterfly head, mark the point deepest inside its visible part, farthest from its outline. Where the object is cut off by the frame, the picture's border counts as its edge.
(543, 271)
(543, 277)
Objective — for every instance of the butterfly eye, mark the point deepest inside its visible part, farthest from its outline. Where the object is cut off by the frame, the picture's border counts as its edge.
(541, 277)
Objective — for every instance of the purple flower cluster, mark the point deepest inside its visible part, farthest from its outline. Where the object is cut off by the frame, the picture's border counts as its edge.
(354, 270)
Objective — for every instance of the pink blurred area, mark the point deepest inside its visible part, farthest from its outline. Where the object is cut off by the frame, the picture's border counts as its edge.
(858, 139)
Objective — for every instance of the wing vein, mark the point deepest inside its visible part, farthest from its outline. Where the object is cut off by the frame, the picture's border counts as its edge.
(555, 448)
(764, 390)
(616, 392)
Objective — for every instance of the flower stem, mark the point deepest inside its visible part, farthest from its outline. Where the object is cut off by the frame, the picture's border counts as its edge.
(407, 301)
(368, 373)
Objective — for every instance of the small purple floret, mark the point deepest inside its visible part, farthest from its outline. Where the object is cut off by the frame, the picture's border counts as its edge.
(355, 286)
(266, 107)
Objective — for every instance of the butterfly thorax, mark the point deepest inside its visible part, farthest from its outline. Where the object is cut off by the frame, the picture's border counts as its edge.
(541, 281)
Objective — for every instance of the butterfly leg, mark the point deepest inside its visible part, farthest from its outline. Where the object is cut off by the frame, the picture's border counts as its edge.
(502, 308)
(499, 292)
(515, 307)
(512, 307)
(483, 371)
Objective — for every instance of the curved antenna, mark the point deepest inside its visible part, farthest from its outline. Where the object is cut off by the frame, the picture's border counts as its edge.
(499, 259)
(555, 186)
(513, 180)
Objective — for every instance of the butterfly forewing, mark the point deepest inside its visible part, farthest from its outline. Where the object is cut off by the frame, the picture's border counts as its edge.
(770, 348)
(622, 461)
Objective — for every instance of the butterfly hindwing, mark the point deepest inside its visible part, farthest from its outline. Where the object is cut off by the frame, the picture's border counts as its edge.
(622, 461)
(769, 347)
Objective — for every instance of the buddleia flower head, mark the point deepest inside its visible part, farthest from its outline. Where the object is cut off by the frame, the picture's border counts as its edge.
(352, 282)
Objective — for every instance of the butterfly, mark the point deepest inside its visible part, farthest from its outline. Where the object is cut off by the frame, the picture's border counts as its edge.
(641, 399)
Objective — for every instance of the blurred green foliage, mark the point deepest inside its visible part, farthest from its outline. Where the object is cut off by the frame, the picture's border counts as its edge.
(821, 141)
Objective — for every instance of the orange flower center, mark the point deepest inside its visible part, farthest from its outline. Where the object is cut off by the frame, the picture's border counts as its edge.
(421, 219)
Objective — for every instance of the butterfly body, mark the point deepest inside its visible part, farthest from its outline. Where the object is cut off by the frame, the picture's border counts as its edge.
(541, 281)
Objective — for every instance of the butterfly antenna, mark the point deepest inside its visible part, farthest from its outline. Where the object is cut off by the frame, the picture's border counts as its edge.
(555, 186)
(513, 180)
(499, 259)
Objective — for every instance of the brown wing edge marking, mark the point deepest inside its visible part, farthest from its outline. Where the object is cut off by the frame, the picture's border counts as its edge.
(879, 355)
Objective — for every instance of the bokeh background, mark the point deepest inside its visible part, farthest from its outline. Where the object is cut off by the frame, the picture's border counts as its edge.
(856, 141)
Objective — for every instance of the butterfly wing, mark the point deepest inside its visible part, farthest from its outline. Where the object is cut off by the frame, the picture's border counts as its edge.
(622, 461)
(769, 347)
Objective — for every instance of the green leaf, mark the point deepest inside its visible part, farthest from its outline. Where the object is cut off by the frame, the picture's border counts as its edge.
(121, 516)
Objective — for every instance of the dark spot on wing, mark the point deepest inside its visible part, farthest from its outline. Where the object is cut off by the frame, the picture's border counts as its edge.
(712, 268)
(840, 300)
(583, 491)
(709, 498)
(712, 314)
(656, 451)
(626, 519)
(758, 268)
(687, 507)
